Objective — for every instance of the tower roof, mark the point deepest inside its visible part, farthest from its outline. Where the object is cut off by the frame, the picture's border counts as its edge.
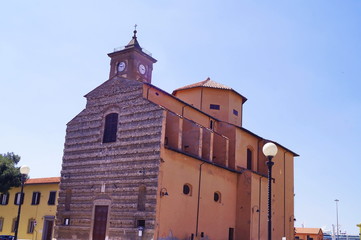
(134, 42)
(208, 83)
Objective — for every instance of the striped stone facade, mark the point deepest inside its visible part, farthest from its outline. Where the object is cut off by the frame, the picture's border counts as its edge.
(122, 175)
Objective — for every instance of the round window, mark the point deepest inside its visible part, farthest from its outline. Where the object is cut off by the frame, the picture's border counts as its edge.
(186, 189)
(217, 197)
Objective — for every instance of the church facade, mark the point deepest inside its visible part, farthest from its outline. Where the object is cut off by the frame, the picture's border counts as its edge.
(140, 163)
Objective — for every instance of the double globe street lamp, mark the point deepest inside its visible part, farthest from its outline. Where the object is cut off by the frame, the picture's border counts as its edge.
(24, 170)
(270, 150)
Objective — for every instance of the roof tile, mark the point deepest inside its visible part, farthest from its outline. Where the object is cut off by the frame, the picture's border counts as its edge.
(206, 83)
(43, 180)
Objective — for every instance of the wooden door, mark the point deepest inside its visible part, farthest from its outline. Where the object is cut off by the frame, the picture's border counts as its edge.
(48, 229)
(100, 222)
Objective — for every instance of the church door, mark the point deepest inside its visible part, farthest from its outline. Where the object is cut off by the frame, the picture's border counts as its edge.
(100, 222)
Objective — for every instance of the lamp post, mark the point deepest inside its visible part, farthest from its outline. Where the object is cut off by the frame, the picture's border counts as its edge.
(336, 200)
(24, 170)
(270, 150)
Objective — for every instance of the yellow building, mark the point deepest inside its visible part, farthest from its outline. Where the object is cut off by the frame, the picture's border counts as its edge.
(37, 211)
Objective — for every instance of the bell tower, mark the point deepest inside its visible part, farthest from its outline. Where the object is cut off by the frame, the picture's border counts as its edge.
(132, 62)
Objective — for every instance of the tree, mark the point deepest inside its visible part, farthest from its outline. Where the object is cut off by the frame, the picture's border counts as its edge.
(9, 174)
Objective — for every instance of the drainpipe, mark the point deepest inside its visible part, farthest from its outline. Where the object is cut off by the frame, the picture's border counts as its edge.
(201, 105)
(199, 195)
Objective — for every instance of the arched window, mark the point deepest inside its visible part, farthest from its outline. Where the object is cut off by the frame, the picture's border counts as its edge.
(187, 189)
(217, 197)
(142, 191)
(249, 159)
(110, 128)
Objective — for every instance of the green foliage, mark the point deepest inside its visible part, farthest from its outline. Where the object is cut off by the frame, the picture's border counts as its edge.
(9, 174)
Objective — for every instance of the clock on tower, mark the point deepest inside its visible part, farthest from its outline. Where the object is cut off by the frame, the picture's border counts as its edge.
(132, 62)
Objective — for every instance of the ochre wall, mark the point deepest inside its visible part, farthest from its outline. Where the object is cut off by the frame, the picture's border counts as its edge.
(173, 105)
(28, 211)
(177, 170)
(203, 97)
(247, 188)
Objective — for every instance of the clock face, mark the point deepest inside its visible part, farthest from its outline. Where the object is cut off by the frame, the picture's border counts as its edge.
(142, 69)
(121, 66)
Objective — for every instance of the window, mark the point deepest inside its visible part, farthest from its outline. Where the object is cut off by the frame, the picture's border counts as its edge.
(36, 198)
(19, 198)
(52, 196)
(66, 221)
(249, 159)
(141, 223)
(211, 124)
(214, 106)
(235, 112)
(13, 227)
(110, 128)
(230, 233)
(31, 225)
(4, 198)
(217, 197)
(1, 223)
(187, 189)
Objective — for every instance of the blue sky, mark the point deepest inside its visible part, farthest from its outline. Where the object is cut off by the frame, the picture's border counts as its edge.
(297, 62)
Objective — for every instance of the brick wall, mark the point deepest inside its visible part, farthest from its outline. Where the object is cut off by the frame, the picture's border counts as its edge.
(112, 174)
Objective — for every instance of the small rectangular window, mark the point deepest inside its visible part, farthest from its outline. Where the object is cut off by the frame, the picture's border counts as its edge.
(249, 159)
(13, 227)
(19, 198)
(211, 124)
(214, 106)
(1, 224)
(66, 221)
(4, 198)
(141, 223)
(52, 196)
(235, 112)
(36, 198)
(231, 234)
(31, 225)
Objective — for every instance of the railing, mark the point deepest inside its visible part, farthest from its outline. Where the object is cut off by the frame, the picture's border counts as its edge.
(123, 47)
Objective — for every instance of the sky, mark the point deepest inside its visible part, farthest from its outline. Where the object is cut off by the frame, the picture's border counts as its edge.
(297, 62)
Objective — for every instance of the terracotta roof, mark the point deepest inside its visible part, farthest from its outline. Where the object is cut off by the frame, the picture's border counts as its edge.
(208, 83)
(43, 180)
(308, 230)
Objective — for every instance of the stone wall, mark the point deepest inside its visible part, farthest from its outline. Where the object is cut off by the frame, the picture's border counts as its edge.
(122, 175)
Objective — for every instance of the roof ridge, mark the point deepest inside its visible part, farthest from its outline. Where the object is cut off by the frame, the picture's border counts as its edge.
(211, 84)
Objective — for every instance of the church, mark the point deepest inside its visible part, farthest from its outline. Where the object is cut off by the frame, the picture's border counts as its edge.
(141, 163)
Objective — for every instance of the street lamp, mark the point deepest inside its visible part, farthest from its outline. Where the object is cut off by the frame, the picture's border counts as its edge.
(270, 150)
(336, 200)
(24, 170)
